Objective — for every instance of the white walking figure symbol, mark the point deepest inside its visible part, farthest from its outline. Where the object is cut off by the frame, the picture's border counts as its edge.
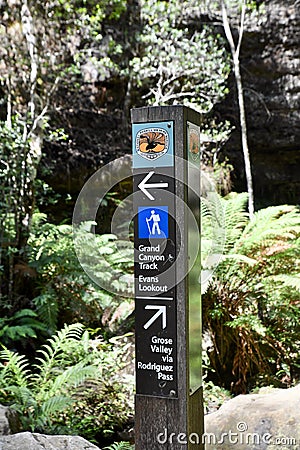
(155, 225)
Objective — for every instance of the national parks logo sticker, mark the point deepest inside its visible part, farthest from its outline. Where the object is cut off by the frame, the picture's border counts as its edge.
(194, 141)
(151, 143)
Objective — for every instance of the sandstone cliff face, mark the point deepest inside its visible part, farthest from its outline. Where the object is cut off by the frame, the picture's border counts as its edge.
(270, 63)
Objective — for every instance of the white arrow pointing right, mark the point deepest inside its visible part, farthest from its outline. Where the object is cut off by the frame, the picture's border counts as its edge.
(161, 311)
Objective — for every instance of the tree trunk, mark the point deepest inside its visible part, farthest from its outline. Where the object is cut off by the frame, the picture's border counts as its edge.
(239, 85)
(235, 51)
(29, 33)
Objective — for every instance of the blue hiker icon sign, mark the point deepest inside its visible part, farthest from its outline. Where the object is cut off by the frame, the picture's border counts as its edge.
(153, 222)
(155, 218)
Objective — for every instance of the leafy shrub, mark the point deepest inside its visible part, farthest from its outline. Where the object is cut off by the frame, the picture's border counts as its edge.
(213, 395)
(40, 391)
(73, 380)
(14, 176)
(250, 312)
(99, 410)
(161, 64)
(120, 446)
(102, 406)
(20, 326)
(66, 294)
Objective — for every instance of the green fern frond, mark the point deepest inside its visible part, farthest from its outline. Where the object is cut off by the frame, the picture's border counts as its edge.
(41, 394)
(222, 223)
(211, 209)
(19, 326)
(275, 222)
(292, 281)
(54, 404)
(120, 446)
(236, 218)
(239, 258)
(73, 377)
(52, 353)
(47, 308)
(24, 313)
(21, 395)
(45, 410)
(16, 368)
(73, 331)
(212, 226)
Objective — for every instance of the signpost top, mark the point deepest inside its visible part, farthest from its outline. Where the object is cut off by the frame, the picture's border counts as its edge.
(152, 113)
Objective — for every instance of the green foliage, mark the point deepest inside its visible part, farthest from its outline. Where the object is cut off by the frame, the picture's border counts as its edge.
(22, 325)
(292, 281)
(16, 172)
(213, 395)
(97, 48)
(109, 260)
(39, 392)
(120, 446)
(249, 309)
(98, 411)
(13, 156)
(42, 45)
(175, 64)
(66, 292)
(44, 194)
(102, 406)
(63, 32)
(233, 6)
(74, 385)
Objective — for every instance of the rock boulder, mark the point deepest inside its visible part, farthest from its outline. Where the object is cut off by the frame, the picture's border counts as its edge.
(9, 422)
(35, 441)
(256, 422)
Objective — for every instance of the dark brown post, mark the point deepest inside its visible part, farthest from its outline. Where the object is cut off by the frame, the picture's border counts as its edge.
(169, 405)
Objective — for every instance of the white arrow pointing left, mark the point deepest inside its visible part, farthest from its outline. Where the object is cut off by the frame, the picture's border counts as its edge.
(161, 311)
(143, 186)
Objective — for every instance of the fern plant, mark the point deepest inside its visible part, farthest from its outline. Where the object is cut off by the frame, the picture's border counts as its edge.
(251, 314)
(103, 406)
(66, 293)
(120, 446)
(20, 326)
(40, 391)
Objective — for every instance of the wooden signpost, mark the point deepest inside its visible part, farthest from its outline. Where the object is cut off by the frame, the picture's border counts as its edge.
(169, 406)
